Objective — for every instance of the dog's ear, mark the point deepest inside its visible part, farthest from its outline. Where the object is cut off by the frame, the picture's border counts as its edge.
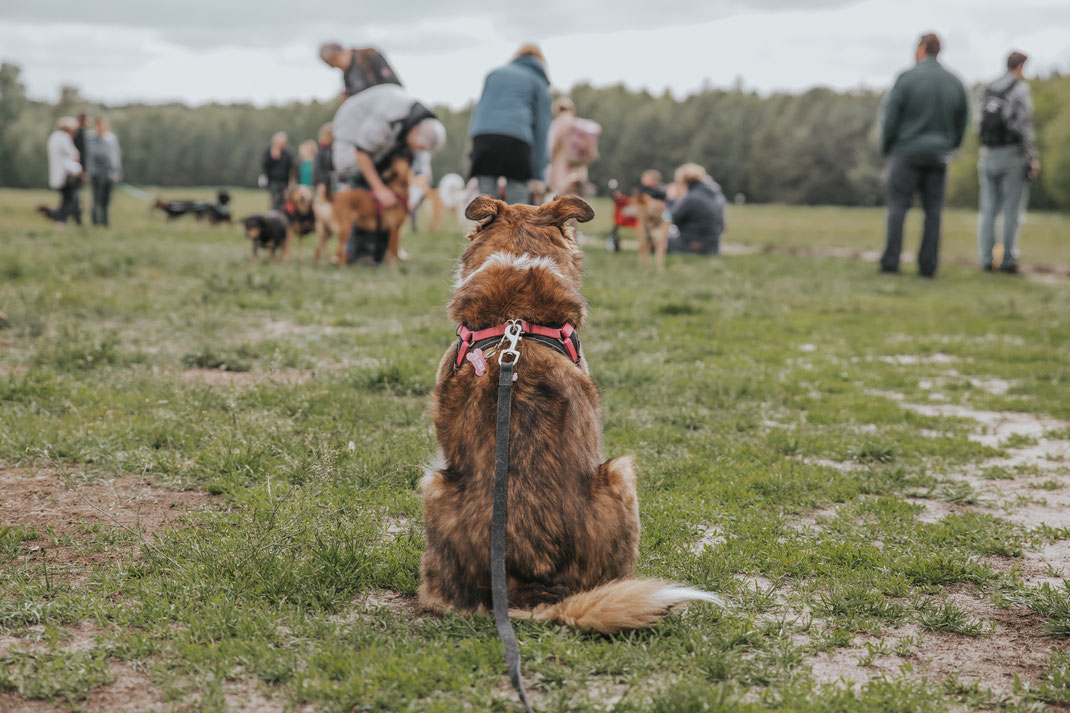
(567, 208)
(483, 208)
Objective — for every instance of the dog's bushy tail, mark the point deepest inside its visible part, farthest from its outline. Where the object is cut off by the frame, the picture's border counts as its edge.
(618, 606)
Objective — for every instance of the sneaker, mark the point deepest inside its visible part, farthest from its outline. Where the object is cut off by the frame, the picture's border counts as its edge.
(1009, 269)
(889, 270)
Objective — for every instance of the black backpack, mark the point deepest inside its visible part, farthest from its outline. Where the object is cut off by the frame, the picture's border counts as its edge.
(994, 128)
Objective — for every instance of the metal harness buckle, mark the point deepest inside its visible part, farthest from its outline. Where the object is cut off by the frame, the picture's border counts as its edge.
(512, 336)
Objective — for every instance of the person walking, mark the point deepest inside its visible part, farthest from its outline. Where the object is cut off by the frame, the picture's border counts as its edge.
(510, 127)
(925, 119)
(278, 169)
(370, 130)
(1008, 161)
(361, 68)
(573, 147)
(64, 172)
(104, 167)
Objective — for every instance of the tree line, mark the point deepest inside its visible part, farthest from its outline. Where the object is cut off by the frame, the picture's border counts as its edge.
(818, 147)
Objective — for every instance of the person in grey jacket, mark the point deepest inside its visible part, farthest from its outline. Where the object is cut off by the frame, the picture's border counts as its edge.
(698, 217)
(1008, 161)
(104, 167)
(510, 127)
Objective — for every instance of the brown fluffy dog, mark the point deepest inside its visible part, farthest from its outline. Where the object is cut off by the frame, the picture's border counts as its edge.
(358, 206)
(573, 525)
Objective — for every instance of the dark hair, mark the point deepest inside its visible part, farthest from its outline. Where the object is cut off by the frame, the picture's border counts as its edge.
(931, 43)
(1016, 60)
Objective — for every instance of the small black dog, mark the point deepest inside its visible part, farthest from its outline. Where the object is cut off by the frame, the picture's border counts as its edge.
(216, 213)
(270, 230)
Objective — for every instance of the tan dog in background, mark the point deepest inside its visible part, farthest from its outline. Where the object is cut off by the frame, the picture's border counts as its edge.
(359, 207)
(573, 519)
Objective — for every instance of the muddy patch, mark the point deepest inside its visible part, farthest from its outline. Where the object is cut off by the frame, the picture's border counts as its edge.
(80, 521)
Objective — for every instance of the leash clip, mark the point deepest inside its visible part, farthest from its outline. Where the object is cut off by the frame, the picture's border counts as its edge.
(512, 335)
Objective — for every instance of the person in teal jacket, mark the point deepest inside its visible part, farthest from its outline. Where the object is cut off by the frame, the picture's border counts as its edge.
(925, 118)
(510, 127)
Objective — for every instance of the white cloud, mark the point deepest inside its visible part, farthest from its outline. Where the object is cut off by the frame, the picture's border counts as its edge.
(216, 50)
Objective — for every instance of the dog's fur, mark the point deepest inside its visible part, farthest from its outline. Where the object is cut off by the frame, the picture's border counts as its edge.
(652, 229)
(573, 526)
(357, 207)
(270, 230)
(301, 212)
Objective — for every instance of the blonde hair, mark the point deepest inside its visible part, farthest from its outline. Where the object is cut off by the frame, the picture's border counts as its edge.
(651, 174)
(307, 149)
(327, 130)
(689, 173)
(563, 104)
(67, 123)
(531, 49)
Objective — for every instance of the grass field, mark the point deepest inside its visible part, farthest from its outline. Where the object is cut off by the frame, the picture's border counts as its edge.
(207, 474)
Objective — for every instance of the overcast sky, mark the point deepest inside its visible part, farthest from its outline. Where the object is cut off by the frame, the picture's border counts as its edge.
(222, 50)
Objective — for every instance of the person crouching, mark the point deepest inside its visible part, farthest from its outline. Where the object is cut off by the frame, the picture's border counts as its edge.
(371, 130)
(698, 216)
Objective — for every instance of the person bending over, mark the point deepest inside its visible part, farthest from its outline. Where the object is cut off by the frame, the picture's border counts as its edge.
(361, 68)
(371, 129)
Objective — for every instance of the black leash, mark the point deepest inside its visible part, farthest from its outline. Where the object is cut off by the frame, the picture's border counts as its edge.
(506, 363)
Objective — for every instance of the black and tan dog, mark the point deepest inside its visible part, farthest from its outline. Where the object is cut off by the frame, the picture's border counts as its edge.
(271, 231)
(301, 212)
(573, 518)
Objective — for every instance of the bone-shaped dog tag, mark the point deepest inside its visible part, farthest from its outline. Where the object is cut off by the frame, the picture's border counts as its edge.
(478, 362)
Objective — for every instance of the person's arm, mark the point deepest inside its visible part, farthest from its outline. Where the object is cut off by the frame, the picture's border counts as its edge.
(366, 165)
(540, 154)
(117, 159)
(1022, 125)
(893, 110)
(962, 114)
(266, 164)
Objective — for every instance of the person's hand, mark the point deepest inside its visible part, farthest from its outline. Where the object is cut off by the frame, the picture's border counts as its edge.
(385, 196)
(1034, 169)
(116, 177)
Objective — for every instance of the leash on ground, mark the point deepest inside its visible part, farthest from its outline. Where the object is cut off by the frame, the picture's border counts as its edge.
(136, 193)
(507, 359)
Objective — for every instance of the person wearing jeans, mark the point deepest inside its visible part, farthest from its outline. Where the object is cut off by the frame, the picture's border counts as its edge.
(925, 119)
(104, 167)
(1008, 161)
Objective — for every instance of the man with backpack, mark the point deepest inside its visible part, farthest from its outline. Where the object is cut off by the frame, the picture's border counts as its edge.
(925, 119)
(1008, 161)
(573, 147)
(361, 68)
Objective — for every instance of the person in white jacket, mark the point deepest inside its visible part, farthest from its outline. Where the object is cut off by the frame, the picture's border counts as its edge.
(64, 171)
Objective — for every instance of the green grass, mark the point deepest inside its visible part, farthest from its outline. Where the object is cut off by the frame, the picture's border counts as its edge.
(737, 382)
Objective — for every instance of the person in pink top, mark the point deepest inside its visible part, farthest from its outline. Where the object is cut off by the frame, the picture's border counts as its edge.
(573, 146)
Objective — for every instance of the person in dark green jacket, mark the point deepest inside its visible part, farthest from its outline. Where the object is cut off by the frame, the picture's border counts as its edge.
(925, 118)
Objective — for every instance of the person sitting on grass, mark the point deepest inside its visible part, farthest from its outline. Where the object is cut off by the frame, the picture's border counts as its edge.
(698, 216)
(371, 129)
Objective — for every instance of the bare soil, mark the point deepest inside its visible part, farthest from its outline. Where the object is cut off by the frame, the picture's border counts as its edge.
(70, 515)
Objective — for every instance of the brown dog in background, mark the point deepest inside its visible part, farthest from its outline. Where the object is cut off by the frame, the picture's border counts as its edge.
(573, 521)
(359, 207)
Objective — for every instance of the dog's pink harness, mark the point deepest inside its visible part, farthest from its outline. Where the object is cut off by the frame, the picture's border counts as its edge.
(564, 339)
